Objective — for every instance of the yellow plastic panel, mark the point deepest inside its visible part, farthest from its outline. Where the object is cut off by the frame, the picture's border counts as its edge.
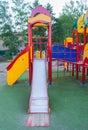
(85, 54)
(17, 69)
(43, 54)
(67, 41)
(80, 25)
(38, 54)
(86, 29)
(40, 25)
(31, 52)
(40, 17)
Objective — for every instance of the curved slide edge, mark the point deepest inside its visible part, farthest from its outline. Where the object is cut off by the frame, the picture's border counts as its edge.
(17, 67)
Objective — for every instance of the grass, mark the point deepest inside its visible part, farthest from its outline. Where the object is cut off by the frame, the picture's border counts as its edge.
(68, 103)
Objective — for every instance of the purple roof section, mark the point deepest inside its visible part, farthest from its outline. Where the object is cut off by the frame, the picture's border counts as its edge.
(40, 9)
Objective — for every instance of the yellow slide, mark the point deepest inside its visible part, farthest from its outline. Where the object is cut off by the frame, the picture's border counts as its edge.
(17, 67)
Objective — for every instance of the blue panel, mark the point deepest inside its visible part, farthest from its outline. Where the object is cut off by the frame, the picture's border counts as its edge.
(60, 52)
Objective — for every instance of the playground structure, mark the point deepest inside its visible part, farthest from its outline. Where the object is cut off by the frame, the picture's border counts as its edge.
(39, 102)
(72, 54)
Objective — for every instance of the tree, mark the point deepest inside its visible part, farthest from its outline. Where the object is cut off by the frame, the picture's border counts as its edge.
(21, 14)
(57, 32)
(14, 27)
(62, 28)
(75, 8)
(34, 4)
(50, 9)
(10, 39)
(5, 16)
(67, 20)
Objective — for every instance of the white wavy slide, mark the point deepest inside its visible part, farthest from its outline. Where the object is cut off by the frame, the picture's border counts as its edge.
(39, 103)
(39, 96)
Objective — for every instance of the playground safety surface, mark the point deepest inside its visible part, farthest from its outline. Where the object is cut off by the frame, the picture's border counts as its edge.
(68, 103)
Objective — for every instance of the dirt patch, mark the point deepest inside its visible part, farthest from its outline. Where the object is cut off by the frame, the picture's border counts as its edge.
(3, 73)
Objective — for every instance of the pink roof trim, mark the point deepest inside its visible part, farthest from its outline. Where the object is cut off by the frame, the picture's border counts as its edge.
(39, 9)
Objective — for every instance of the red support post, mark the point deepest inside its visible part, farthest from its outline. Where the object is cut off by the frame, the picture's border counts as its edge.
(72, 69)
(84, 35)
(30, 52)
(83, 75)
(78, 40)
(77, 71)
(49, 54)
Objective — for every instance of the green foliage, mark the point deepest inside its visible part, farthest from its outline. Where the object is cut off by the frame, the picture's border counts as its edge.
(6, 27)
(50, 9)
(13, 28)
(34, 4)
(5, 16)
(21, 14)
(57, 32)
(10, 39)
(75, 8)
(62, 28)
(67, 20)
(74, 26)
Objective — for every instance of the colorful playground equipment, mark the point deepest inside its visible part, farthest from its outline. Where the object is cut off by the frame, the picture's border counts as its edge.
(39, 101)
(73, 54)
(17, 67)
(35, 61)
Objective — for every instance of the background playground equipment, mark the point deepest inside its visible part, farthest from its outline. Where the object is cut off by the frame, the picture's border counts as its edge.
(68, 41)
(73, 51)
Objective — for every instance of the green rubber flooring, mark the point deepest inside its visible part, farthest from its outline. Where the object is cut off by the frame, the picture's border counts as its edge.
(68, 103)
